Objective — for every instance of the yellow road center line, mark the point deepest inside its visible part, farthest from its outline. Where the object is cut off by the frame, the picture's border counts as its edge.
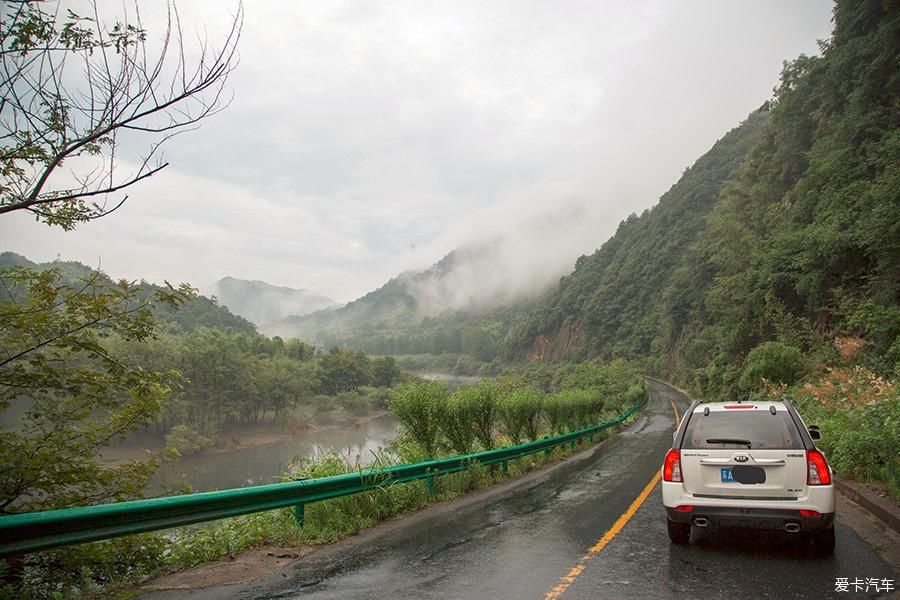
(570, 577)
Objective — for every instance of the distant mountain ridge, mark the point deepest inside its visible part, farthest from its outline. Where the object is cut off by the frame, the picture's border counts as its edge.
(262, 303)
(199, 312)
(476, 286)
(411, 303)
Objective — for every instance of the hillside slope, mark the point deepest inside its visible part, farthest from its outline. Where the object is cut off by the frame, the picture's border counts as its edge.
(801, 247)
(439, 310)
(613, 304)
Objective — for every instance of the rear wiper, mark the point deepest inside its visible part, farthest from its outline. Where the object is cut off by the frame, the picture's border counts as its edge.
(729, 441)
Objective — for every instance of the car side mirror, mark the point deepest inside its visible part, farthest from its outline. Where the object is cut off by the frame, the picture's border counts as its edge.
(814, 432)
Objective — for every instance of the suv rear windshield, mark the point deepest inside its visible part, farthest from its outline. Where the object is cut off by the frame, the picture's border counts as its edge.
(729, 429)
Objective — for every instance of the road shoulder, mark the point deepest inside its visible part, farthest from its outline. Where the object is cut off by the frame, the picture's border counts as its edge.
(884, 540)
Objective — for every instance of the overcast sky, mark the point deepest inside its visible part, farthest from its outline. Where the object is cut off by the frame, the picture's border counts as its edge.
(368, 138)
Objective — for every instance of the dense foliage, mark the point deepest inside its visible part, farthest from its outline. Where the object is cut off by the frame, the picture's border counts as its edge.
(858, 413)
(787, 231)
(473, 417)
(72, 395)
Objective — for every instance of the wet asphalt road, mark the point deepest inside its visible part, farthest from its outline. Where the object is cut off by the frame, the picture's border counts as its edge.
(519, 543)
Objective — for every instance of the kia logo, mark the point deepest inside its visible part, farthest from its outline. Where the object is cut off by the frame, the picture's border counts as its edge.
(741, 458)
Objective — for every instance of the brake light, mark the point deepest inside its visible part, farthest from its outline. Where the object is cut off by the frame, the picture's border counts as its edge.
(806, 513)
(817, 472)
(739, 406)
(684, 508)
(672, 466)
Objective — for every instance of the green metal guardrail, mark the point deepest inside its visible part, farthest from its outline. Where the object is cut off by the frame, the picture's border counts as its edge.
(28, 532)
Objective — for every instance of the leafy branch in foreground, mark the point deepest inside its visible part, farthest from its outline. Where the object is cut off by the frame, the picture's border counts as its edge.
(73, 395)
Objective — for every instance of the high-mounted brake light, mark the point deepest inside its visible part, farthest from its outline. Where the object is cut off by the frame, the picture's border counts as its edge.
(672, 466)
(739, 406)
(817, 472)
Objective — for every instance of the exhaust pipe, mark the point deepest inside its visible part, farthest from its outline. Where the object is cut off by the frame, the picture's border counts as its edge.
(700, 521)
(792, 527)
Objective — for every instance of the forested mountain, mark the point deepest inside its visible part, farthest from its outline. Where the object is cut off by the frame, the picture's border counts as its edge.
(196, 312)
(613, 303)
(420, 312)
(260, 302)
(787, 230)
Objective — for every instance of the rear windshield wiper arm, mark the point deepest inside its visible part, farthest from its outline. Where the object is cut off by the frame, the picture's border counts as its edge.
(729, 441)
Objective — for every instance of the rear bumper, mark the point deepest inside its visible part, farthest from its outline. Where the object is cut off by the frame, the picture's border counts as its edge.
(751, 518)
(751, 512)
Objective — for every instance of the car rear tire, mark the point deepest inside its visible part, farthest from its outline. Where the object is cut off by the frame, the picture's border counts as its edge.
(823, 542)
(679, 533)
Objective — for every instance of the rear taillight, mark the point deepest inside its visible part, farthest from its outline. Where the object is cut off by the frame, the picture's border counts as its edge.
(804, 512)
(817, 472)
(684, 508)
(672, 466)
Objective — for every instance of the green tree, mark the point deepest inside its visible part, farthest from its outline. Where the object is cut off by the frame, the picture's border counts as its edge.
(385, 371)
(773, 362)
(418, 407)
(343, 371)
(73, 87)
(75, 395)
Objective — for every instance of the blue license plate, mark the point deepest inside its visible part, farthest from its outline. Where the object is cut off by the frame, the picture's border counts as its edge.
(727, 477)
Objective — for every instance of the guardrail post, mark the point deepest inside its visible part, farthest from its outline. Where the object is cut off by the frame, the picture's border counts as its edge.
(299, 514)
(505, 467)
(429, 484)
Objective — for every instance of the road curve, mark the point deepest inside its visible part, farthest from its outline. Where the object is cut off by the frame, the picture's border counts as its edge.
(577, 531)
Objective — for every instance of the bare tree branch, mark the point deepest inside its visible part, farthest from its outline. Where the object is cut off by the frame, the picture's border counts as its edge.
(54, 109)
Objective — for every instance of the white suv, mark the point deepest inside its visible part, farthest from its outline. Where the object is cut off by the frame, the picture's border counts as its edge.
(748, 464)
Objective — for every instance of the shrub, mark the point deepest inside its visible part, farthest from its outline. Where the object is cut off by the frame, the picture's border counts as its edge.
(858, 413)
(773, 362)
(557, 411)
(458, 422)
(417, 406)
(519, 414)
(184, 439)
(481, 403)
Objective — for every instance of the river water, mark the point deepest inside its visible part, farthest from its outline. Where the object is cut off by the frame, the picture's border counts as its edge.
(265, 463)
(260, 464)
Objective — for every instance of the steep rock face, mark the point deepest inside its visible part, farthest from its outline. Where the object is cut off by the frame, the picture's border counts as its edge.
(554, 348)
